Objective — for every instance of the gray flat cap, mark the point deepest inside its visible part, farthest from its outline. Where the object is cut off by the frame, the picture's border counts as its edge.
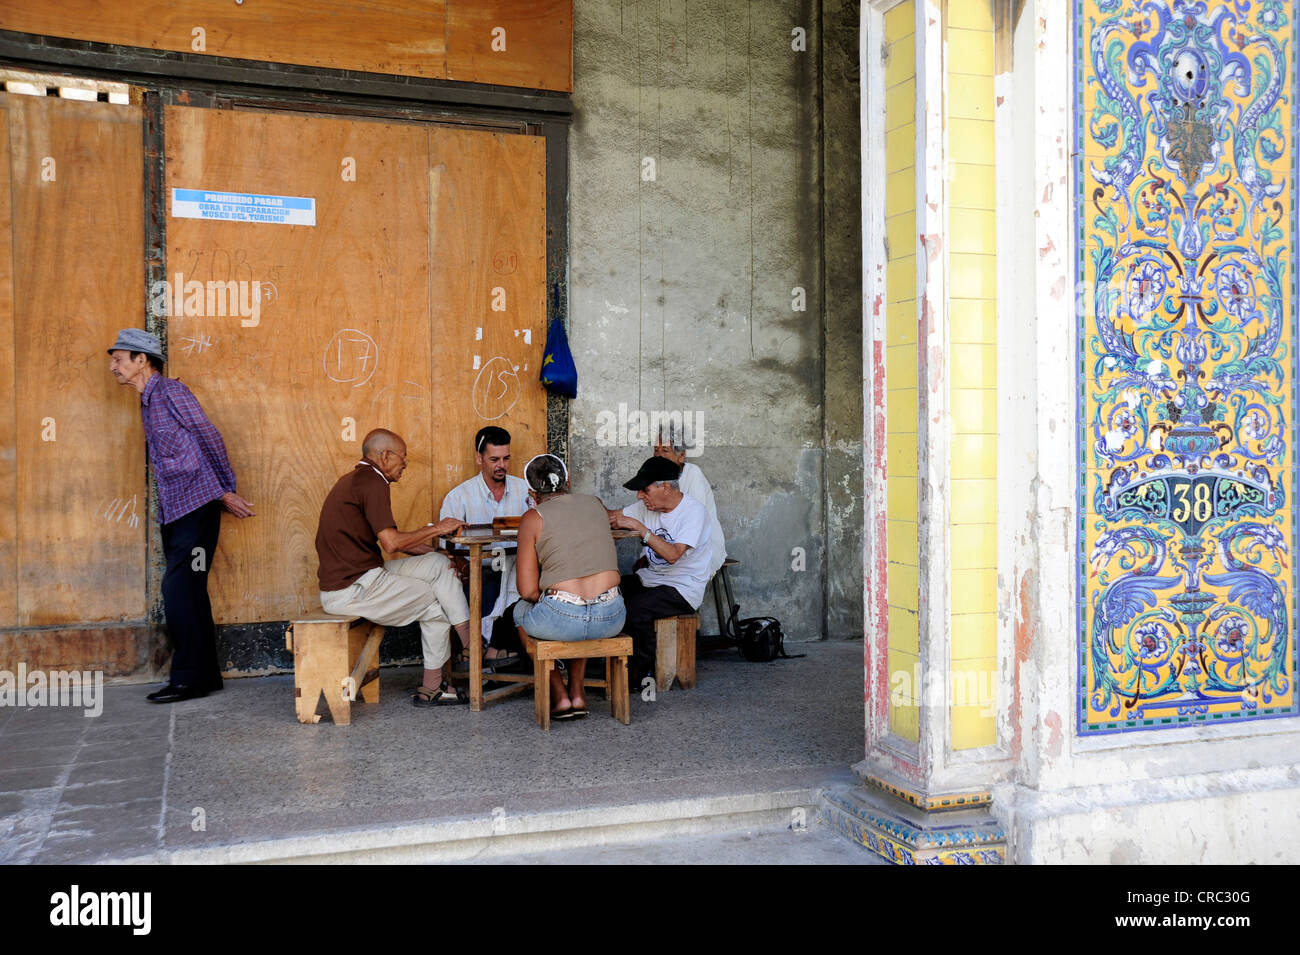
(137, 339)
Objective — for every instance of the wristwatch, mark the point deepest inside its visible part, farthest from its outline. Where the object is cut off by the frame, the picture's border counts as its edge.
(645, 538)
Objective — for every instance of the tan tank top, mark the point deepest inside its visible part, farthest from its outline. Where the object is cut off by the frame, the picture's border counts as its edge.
(575, 540)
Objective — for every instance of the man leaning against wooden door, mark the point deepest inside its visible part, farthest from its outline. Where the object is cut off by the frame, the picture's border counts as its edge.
(195, 482)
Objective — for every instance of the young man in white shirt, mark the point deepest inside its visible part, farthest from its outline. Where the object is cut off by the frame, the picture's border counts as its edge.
(673, 569)
(493, 492)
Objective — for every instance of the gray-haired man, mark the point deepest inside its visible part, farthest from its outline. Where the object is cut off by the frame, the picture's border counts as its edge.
(674, 569)
(693, 482)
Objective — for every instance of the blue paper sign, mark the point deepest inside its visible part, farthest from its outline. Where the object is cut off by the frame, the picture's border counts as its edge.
(243, 207)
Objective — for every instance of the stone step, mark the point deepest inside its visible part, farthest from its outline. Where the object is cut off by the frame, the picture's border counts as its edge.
(504, 834)
(816, 844)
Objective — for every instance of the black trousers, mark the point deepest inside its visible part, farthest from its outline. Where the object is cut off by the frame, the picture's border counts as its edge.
(504, 634)
(491, 589)
(189, 544)
(644, 605)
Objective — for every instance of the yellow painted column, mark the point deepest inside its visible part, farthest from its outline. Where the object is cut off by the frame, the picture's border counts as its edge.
(972, 313)
(900, 370)
(915, 803)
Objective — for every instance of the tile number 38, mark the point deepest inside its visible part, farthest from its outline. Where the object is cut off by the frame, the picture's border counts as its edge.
(1196, 506)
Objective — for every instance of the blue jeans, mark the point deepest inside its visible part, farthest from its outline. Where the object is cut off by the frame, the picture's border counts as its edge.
(551, 619)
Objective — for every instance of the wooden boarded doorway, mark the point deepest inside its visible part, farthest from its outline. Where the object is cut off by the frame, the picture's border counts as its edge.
(73, 499)
(416, 302)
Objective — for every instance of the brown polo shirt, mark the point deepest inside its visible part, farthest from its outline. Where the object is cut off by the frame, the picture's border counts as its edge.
(356, 509)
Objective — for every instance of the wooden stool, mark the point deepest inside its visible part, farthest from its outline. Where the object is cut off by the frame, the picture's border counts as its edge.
(675, 651)
(615, 650)
(337, 656)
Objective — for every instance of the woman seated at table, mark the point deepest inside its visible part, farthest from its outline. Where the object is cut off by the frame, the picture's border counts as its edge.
(566, 571)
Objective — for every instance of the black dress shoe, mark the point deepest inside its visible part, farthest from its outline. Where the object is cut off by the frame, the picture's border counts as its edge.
(175, 693)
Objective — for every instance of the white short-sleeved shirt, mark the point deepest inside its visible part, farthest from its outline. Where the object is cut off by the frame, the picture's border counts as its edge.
(687, 523)
(694, 483)
(472, 502)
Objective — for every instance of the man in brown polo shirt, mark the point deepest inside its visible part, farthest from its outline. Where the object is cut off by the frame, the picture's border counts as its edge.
(355, 580)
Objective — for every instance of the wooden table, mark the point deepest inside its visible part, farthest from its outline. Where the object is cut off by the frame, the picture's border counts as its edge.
(476, 538)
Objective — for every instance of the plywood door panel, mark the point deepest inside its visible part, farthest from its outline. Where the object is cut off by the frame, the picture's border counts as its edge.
(525, 43)
(488, 233)
(342, 339)
(405, 37)
(8, 449)
(78, 223)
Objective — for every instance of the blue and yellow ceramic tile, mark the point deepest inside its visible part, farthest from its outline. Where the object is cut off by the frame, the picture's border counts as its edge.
(1186, 175)
(966, 799)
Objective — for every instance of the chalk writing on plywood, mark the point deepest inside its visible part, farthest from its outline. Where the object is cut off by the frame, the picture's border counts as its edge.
(197, 346)
(496, 389)
(351, 357)
(118, 508)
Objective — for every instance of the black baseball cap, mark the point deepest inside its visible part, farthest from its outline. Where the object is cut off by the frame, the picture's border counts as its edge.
(652, 471)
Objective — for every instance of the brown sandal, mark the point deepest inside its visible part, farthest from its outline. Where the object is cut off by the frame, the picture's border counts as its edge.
(443, 696)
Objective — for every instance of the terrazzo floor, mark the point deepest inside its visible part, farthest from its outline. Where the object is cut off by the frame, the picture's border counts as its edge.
(146, 780)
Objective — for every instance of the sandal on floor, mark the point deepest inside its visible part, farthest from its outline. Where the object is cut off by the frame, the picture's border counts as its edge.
(501, 663)
(563, 714)
(443, 696)
(579, 712)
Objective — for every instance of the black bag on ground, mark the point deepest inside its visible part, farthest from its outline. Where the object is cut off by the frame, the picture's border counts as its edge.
(760, 639)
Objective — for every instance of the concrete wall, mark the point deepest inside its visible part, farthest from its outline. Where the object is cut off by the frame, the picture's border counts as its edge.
(681, 286)
(841, 103)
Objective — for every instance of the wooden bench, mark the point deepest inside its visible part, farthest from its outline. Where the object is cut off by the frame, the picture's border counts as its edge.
(337, 656)
(615, 650)
(675, 651)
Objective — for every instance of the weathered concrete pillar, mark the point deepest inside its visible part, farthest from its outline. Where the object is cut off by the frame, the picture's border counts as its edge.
(930, 373)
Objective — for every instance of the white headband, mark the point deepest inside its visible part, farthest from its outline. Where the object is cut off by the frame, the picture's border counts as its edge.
(555, 478)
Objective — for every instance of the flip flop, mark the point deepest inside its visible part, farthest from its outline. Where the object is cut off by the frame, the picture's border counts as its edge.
(579, 712)
(563, 714)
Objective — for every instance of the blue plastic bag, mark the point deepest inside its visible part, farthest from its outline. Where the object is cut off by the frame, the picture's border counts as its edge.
(558, 374)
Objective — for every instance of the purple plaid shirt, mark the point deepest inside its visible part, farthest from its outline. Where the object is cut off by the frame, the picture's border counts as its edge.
(187, 453)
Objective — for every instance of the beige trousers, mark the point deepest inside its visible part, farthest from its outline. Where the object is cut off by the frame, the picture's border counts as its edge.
(423, 588)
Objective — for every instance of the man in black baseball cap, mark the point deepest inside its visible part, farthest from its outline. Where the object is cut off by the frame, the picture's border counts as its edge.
(653, 470)
(674, 568)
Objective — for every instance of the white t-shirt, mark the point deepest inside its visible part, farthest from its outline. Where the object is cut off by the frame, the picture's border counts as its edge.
(694, 483)
(687, 523)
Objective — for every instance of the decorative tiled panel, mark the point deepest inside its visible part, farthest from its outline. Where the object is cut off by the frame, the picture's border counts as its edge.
(1186, 216)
